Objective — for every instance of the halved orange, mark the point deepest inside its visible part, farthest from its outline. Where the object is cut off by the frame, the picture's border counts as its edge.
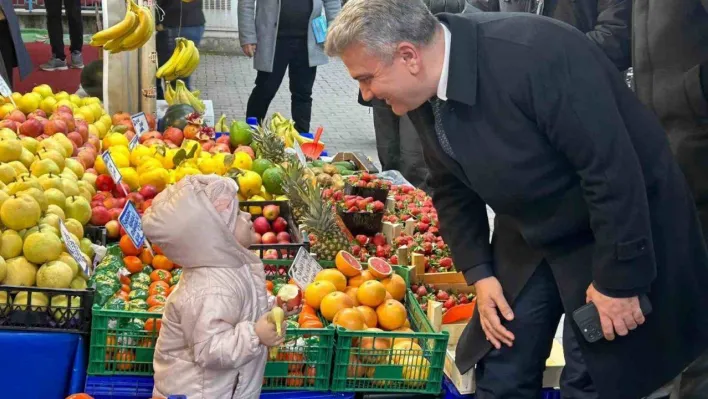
(347, 264)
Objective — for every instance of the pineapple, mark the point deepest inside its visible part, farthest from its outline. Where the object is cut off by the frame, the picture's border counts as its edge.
(319, 220)
(268, 144)
(296, 186)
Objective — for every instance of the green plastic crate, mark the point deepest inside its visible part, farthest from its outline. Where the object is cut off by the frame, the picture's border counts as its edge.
(403, 271)
(305, 366)
(387, 370)
(121, 344)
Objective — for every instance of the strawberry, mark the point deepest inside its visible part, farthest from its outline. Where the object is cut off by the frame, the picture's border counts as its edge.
(449, 303)
(361, 204)
(327, 193)
(446, 263)
(422, 291)
(362, 239)
(379, 239)
(393, 260)
(367, 177)
(423, 227)
(380, 252)
(349, 197)
(378, 206)
(356, 250)
(464, 299)
(427, 247)
(425, 218)
(353, 209)
(361, 183)
(350, 203)
(442, 296)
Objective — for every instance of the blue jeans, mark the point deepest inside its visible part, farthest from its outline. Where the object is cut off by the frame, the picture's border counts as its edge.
(165, 43)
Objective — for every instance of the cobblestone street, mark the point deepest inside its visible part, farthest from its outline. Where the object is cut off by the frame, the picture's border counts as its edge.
(228, 81)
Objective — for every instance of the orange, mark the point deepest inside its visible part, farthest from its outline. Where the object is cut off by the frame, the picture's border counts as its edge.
(391, 314)
(161, 262)
(388, 295)
(355, 370)
(311, 323)
(369, 314)
(350, 319)
(269, 286)
(125, 288)
(156, 248)
(317, 290)
(124, 360)
(303, 317)
(407, 324)
(153, 325)
(359, 280)
(333, 276)
(156, 300)
(158, 287)
(372, 293)
(374, 349)
(161, 275)
(333, 303)
(146, 256)
(351, 291)
(126, 245)
(396, 286)
(133, 264)
(347, 264)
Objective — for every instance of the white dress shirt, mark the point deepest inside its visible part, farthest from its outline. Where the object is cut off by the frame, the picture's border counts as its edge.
(442, 84)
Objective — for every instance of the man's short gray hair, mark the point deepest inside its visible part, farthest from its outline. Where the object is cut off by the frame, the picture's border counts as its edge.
(380, 25)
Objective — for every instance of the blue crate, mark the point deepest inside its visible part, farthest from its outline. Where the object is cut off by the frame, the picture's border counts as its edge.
(452, 393)
(119, 387)
(306, 395)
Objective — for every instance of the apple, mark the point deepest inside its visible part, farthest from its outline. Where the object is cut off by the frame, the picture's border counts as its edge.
(261, 225)
(269, 238)
(37, 113)
(146, 205)
(270, 254)
(148, 192)
(113, 229)
(208, 145)
(100, 216)
(16, 115)
(110, 203)
(248, 150)
(121, 190)
(10, 124)
(220, 147)
(67, 118)
(280, 225)
(259, 238)
(152, 142)
(150, 135)
(96, 204)
(173, 135)
(271, 212)
(86, 158)
(31, 128)
(104, 183)
(93, 139)
(64, 109)
(115, 213)
(120, 202)
(137, 199)
(283, 237)
(101, 195)
(74, 149)
(82, 128)
(55, 126)
(289, 297)
(76, 138)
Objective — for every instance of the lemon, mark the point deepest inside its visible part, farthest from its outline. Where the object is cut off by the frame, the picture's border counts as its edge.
(139, 153)
(149, 164)
(265, 194)
(173, 175)
(96, 109)
(166, 159)
(92, 129)
(29, 102)
(158, 178)
(100, 166)
(219, 157)
(204, 155)
(62, 95)
(209, 166)
(119, 149)
(6, 109)
(113, 139)
(184, 171)
(249, 183)
(100, 127)
(120, 160)
(85, 113)
(48, 105)
(130, 177)
(242, 161)
(255, 210)
(189, 144)
(65, 102)
(107, 121)
(74, 98)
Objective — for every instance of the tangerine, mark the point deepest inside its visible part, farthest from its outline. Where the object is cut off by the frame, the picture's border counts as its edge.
(351, 291)
(317, 290)
(372, 293)
(333, 303)
(146, 256)
(359, 280)
(162, 263)
(333, 276)
(396, 286)
(133, 264)
(126, 245)
(347, 263)
(350, 319)
(391, 315)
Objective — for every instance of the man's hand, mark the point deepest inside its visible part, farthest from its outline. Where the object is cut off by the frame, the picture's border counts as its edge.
(491, 302)
(619, 315)
(249, 50)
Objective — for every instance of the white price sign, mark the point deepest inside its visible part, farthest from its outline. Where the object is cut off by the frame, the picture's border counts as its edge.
(73, 248)
(300, 155)
(5, 88)
(133, 142)
(130, 220)
(304, 268)
(140, 123)
(112, 168)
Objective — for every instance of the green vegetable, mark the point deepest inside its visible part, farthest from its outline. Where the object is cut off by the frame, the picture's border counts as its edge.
(277, 287)
(344, 165)
(138, 294)
(106, 285)
(134, 325)
(139, 286)
(143, 278)
(115, 304)
(346, 172)
(147, 270)
(318, 163)
(137, 305)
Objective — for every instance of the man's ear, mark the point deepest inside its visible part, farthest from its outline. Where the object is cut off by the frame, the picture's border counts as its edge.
(409, 55)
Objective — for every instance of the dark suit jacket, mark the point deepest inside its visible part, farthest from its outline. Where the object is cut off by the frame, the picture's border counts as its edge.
(24, 63)
(580, 174)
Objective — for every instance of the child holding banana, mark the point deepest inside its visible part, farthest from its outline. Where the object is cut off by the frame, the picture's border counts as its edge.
(218, 323)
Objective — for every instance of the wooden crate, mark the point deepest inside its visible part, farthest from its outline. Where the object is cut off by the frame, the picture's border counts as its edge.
(360, 160)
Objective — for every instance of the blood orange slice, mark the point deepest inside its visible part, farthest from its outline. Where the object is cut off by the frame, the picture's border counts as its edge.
(347, 264)
(379, 268)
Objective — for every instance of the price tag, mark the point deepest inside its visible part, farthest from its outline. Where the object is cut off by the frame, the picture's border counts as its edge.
(73, 248)
(5, 89)
(133, 142)
(130, 220)
(112, 168)
(304, 268)
(140, 123)
(300, 155)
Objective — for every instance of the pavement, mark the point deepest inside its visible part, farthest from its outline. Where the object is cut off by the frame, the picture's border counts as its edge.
(228, 80)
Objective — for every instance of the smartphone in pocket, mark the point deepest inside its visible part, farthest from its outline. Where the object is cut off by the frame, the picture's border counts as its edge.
(588, 319)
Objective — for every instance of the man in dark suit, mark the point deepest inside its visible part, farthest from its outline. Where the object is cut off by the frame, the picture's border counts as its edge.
(13, 52)
(525, 114)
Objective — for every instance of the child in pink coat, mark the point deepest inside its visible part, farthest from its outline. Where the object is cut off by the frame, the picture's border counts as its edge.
(215, 333)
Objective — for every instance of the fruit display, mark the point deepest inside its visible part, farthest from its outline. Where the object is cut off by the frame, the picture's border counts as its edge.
(448, 298)
(331, 174)
(285, 129)
(358, 204)
(271, 228)
(131, 33)
(183, 62)
(182, 95)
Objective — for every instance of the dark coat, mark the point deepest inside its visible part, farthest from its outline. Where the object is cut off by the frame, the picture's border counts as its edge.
(578, 172)
(24, 63)
(605, 22)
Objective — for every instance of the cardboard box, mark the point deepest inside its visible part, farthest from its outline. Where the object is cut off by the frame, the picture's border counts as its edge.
(360, 160)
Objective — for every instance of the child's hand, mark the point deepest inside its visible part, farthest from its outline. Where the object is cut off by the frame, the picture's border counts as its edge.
(265, 330)
(292, 312)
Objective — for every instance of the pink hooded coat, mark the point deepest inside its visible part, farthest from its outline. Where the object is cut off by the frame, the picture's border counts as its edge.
(207, 348)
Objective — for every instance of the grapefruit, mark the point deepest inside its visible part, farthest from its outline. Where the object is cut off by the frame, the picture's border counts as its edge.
(39, 300)
(416, 370)
(347, 264)
(403, 349)
(396, 286)
(391, 314)
(359, 280)
(316, 291)
(369, 314)
(372, 293)
(355, 370)
(351, 291)
(333, 276)
(350, 319)
(20, 272)
(333, 302)
(373, 350)
(379, 268)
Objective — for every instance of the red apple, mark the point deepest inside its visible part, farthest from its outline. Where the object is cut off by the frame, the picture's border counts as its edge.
(94, 140)
(280, 225)
(271, 212)
(289, 297)
(137, 199)
(64, 109)
(31, 128)
(150, 135)
(76, 138)
(96, 204)
(115, 212)
(82, 128)
(100, 216)
(248, 150)
(174, 135)
(10, 124)
(261, 225)
(86, 158)
(120, 202)
(75, 150)
(113, 229)
(67, 118)
(270, 254)
(148, 191)
(55, 126)
(259, 238)
(109, 203)
(121, 190)
(153, 142)
(16, 115)
(269, 238)
(146, 205)
(101, 196)
(283, 237)
(104, 183)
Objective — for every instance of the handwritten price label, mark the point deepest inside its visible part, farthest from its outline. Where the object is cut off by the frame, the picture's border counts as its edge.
(130, 220)
(140, 124)
(73, 248)
(112, 168)
(304, 268)
(4, 88)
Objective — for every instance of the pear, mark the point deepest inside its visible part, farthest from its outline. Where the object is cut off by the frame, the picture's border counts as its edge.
(50, 219)
(26, 157)
(39, 301)
(19, 167)
(6, 133)
(69, 260)
(3, 197)
(65, 142)
(5, 302)
(53, 154)
(90, 178)
(20, 212)
(55, 197)
(20, 272)
(42, 247)
(75, 227)
(44, 166)
(50, 229)
(38, 195)
(3, 269)
(70, 187)
(24, 182)
(87, 247)
(84, 184)
(64, 310)
(31, 144)
(11, 244)
(78, 283)
(7, 173)
(57, 210)
(10, 149)
(69, 174)
(83, 192)
(75, 166)
(50, 144)
(51, 181)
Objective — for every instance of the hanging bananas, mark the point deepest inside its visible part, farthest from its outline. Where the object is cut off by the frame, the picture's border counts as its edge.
(285, 128)
(182, 63)
(182, 95)
(136, 28)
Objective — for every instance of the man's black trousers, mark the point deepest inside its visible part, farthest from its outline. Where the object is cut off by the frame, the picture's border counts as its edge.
(55, 30)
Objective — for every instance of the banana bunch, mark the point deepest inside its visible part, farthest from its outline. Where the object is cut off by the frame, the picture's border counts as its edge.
(129, 34)
(221, 125)
(182, 95)
(285, 128)
(182, 63)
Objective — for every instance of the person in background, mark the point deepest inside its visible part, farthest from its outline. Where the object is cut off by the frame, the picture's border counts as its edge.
(278, 35)
(606, 22)
(13, 52)
(181, 19)
(670, 49)
(55, 29)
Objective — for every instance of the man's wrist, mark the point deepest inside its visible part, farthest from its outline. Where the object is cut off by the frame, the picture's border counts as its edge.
(623, 293)
(478, 272)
